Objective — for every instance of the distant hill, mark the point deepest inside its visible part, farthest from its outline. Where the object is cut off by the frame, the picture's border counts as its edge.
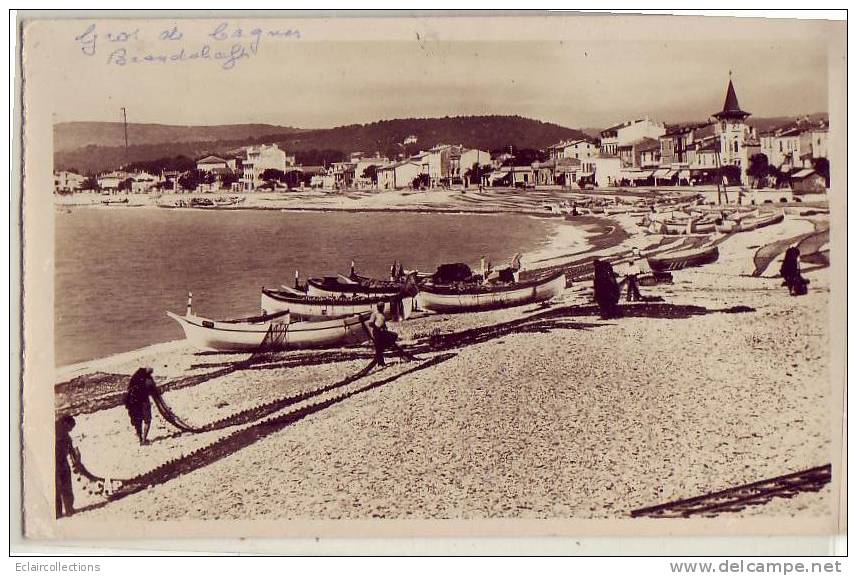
(74, 135)
(77, 145)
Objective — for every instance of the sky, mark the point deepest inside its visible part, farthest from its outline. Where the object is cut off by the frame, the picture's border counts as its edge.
(577, 71)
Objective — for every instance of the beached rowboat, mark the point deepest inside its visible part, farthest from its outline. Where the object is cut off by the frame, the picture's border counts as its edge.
(684, 259)
(248, 334)
(449, 298)
(315, 307)
(338, 285)
(748, 224)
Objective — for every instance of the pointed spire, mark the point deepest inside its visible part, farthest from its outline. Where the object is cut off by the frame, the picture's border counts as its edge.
(731, 109)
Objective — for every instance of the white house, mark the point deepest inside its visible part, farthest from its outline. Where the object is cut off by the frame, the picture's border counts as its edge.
(399, 175)
(110, 180)
(578, 149)
(143, 182)
(627, 132)
(261, 158)
(65, 181)
(608, 170)
(210, 163)
(436, 162)
(360, 167)
(795, 145)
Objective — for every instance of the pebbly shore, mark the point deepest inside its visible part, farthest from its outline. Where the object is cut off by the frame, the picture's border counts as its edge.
(528, 412)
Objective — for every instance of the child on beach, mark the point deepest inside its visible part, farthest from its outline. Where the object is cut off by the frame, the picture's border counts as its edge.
(137, 401)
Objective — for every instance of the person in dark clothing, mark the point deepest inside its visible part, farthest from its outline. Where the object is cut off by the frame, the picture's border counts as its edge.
(790, 271)
(607, 291)
(137, 401)
(65, 450)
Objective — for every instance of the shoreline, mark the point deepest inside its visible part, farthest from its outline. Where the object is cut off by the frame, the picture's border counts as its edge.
(564, 236)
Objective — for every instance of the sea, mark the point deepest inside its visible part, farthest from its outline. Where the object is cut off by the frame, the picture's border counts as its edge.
(119, 269)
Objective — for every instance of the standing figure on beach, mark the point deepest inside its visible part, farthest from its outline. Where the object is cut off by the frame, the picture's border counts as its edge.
(378, 327)
(137, 401)
(631, 278)
(65, 450)
(607, 291)
(790, 271)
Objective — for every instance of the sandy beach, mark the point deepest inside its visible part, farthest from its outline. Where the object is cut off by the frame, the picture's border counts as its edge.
(528, 412)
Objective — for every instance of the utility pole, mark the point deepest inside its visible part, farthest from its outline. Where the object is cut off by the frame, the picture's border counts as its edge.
(125, 127)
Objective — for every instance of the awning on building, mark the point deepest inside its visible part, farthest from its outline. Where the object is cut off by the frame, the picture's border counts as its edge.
(662, 173)
(584, 174)
(645, 174)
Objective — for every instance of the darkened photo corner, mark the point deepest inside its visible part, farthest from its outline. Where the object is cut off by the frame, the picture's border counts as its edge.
(577, 271)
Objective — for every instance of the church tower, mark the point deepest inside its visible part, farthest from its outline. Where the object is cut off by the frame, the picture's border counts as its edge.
(732, 131)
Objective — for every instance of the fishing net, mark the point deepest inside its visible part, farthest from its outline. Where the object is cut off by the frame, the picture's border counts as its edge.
(275, 340)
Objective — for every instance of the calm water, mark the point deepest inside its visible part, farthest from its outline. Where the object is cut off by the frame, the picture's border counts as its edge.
(119, 269)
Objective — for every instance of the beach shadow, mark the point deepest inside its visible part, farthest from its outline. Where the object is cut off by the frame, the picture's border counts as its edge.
(243, 438)
(561, 319)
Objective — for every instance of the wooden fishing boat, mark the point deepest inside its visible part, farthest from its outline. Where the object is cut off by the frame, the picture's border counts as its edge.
(339, 285)
(727, 226)
(451, 298)
(761, 221)
(315, 307)
(617, 209)
(683, 258)
(249, 333)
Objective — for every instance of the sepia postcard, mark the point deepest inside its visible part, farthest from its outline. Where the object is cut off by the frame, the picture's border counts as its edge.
(353, 275)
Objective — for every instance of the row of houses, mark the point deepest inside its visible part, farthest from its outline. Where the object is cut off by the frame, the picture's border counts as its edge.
(441, 165)
(242, 172)
(649, 152)
(636, 152)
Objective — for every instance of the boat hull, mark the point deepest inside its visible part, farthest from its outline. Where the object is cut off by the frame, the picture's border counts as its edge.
(245, 337)
(471, 300)
(338, 286)
(684, 259)
(310, 307)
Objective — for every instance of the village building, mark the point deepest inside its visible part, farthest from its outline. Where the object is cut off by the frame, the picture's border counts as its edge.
(795, 145)
(365, 181)
(143, 182)
(498, 160)
(735, 137)
(210, 163)
(261, 158)
(110, 181)
(557, 171)
(312, 175)
(579, 148)
(608, 170)
(463, 162)
(436, 163)
(65, 181)
(627, 132)
(399, 175)
(808, 181)
(511, 177)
